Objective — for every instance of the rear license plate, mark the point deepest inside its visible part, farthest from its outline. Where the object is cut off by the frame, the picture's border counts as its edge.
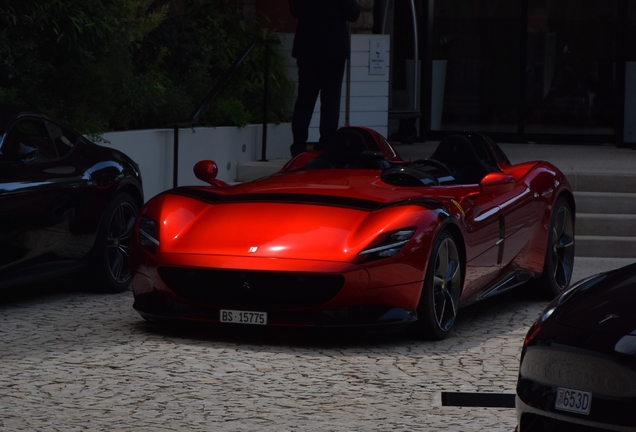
(242, 317)
(575, 401)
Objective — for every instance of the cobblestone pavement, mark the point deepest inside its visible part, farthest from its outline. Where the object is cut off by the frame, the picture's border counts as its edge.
(73, 360)
(79, 361)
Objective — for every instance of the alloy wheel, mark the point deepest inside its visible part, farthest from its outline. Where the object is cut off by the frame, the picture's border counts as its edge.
(118, 242)
(446, 284)
(562, 250)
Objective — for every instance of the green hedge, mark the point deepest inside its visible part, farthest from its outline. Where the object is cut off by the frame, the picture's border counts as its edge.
(106, 65)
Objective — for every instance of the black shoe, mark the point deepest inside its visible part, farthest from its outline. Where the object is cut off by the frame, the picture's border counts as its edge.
(297, 149)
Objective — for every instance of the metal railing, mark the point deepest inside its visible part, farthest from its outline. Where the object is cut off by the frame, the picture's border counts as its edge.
(267, 43)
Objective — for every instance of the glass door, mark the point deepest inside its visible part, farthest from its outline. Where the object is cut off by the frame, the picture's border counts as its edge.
(532, 69)
(476, 64)
(571, 67)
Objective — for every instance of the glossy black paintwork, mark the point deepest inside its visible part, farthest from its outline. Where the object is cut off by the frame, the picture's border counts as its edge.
(585, 340)
(51, 206)
(605, 306)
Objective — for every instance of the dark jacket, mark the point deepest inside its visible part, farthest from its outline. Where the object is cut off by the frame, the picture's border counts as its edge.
(322, 32)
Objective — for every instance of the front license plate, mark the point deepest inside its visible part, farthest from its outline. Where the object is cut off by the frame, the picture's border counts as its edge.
(243, 317)
(575, 401)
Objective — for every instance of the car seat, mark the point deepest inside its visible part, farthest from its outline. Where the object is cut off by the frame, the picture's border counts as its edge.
(458, 154)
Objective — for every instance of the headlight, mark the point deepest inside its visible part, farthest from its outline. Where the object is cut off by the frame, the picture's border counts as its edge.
(390, 246)
(148, 234)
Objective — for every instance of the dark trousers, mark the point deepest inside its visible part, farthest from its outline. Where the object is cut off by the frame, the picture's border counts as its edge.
(313, 79)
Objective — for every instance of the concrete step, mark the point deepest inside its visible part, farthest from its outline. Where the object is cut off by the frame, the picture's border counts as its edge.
(249, 171)
(606, 246)
(603, 182)
(595, 224)
(605, 214)
(587, 266)
(605, 202)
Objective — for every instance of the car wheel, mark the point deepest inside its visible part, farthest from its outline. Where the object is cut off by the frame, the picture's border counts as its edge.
(559, 259)
(111, 260)
(439, 301)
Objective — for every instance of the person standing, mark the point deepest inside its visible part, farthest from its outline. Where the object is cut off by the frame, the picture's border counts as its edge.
(321, 49)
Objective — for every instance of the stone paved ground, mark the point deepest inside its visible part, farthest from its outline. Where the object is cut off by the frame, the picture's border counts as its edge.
(76, 361)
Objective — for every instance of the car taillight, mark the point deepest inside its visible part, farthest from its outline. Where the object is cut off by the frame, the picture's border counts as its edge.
(534, 330)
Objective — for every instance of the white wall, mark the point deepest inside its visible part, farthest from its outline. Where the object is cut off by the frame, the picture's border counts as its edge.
(227, 146)
(629, 132)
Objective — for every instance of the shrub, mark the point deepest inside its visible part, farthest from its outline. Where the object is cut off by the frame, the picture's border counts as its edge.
(128, 64)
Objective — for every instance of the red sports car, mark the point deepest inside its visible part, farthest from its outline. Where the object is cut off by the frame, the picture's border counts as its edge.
(355, 237)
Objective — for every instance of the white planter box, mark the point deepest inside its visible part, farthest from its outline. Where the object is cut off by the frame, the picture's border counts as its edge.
(227, 146)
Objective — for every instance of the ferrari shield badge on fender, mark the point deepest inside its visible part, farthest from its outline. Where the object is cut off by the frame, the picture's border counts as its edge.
(459, 207)
(253, 249)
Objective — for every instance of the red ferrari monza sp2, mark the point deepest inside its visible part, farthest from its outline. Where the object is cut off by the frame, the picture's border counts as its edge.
(355, 236)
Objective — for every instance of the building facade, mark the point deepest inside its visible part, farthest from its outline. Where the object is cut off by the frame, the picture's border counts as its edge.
(519, 70)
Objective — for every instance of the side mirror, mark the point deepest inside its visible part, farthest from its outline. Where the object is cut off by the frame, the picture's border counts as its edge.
(207, 171)
(497, 183)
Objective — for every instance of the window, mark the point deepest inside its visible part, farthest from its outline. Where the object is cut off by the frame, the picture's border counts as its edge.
(28, 141)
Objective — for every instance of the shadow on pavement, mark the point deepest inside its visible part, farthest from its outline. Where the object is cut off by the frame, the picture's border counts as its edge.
(39, 291)
(480, 314)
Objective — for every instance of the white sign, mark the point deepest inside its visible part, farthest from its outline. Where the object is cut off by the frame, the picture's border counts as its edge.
(377, 57)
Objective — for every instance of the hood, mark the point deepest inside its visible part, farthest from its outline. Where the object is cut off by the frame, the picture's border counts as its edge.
(605, 304)
(278, 223)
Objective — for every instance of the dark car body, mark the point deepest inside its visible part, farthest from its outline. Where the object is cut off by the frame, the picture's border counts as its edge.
(578, 364)
(64, 203)
(357, 237)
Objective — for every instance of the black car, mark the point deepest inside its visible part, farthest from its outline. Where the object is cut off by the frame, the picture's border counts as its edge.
(67, 205)
(578, 363)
